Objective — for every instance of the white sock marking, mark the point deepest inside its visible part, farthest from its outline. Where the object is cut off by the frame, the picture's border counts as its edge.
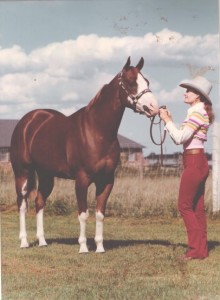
(40, 228)
(99, 232)
(23, 233)
(24, 189)
(82, 237)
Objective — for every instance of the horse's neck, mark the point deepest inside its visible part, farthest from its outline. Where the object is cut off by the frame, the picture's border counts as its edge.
(107, 109)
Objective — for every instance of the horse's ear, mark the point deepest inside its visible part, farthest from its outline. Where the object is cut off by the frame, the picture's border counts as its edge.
(140, 64)
(127, 63)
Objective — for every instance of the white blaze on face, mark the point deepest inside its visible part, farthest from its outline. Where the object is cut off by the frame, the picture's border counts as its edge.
(147, 99)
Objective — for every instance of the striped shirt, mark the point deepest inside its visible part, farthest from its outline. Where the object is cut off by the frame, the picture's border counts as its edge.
(193, 132)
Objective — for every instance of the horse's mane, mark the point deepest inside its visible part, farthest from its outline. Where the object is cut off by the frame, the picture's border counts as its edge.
(95, 99)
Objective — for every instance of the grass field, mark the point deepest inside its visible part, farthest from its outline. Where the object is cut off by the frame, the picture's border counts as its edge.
(143, 236)
(140, 261)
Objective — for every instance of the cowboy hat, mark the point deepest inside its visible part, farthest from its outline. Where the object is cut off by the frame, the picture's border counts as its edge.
(199, 84)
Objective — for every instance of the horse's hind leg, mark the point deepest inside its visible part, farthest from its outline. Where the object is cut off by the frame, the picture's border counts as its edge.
(22, 206)
(46, 183)
(24, 184)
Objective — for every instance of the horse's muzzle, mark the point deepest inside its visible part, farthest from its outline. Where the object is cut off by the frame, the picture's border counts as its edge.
(150, 112)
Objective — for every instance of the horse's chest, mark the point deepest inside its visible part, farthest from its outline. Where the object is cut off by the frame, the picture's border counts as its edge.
(108, 162)
(104, 165)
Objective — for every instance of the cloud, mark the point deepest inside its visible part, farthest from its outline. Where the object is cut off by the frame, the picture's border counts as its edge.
(170, 96)
(167, 47)
(66, 75)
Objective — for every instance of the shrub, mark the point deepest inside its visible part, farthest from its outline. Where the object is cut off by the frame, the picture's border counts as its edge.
(59, 208)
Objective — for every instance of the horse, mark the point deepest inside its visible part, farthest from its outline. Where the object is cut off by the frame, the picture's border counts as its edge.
(83, 147)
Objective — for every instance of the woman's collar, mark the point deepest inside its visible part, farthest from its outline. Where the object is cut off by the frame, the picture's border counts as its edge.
(196, 106)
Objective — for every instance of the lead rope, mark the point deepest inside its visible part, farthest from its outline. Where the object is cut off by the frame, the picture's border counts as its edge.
(162, 137)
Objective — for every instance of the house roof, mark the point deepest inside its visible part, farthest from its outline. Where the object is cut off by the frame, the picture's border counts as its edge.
(127, 143)
(7, 128)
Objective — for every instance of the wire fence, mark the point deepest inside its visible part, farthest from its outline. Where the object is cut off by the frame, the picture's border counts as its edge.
(155, 193)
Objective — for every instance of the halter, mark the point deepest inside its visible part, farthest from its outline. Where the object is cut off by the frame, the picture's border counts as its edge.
(132, 97)
(134, 104)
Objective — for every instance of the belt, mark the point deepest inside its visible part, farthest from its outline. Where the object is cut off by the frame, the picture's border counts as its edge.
(193, 151)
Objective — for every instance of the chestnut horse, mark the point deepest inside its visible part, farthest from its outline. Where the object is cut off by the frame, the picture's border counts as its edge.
(83, 147)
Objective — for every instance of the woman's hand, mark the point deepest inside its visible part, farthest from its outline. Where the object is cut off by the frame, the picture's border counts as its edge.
(165, 115)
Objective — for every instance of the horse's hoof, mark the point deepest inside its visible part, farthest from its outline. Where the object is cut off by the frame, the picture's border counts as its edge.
(100, 249)
(43, 245)
(24, 244)
(83, 249)
(42, 242)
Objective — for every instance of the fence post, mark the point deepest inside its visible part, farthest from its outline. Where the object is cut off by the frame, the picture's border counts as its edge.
(216, 167)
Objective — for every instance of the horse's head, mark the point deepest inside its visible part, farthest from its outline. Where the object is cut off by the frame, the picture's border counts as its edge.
(136, 88)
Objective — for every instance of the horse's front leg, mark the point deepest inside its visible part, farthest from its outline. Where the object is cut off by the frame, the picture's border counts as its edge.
(82, 217)
(40, 228)
(103, 190)
(81, 188)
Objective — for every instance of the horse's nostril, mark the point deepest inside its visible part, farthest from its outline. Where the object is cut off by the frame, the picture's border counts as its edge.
(146, 108)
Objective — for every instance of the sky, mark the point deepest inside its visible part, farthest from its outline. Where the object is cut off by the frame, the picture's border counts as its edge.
(58, 54)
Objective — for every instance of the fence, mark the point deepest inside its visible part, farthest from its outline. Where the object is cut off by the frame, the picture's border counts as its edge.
(216, 167)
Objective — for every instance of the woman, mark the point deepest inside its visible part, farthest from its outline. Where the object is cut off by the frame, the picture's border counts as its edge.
(192, 134)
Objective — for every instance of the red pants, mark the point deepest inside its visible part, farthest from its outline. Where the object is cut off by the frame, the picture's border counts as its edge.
(191, 203)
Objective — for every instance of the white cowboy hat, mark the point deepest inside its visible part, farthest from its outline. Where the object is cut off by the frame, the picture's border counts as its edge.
(200, 84)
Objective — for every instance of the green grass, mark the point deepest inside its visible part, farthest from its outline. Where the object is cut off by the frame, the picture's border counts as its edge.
(143, 236)
(140, 261)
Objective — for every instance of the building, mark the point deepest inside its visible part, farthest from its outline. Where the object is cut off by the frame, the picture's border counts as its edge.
(131, 152)
(6, 130)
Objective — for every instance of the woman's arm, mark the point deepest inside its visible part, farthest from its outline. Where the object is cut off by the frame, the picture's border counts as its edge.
(179, 136)
(182, 135)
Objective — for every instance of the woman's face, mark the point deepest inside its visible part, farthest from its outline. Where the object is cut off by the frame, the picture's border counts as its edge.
(190, 97)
